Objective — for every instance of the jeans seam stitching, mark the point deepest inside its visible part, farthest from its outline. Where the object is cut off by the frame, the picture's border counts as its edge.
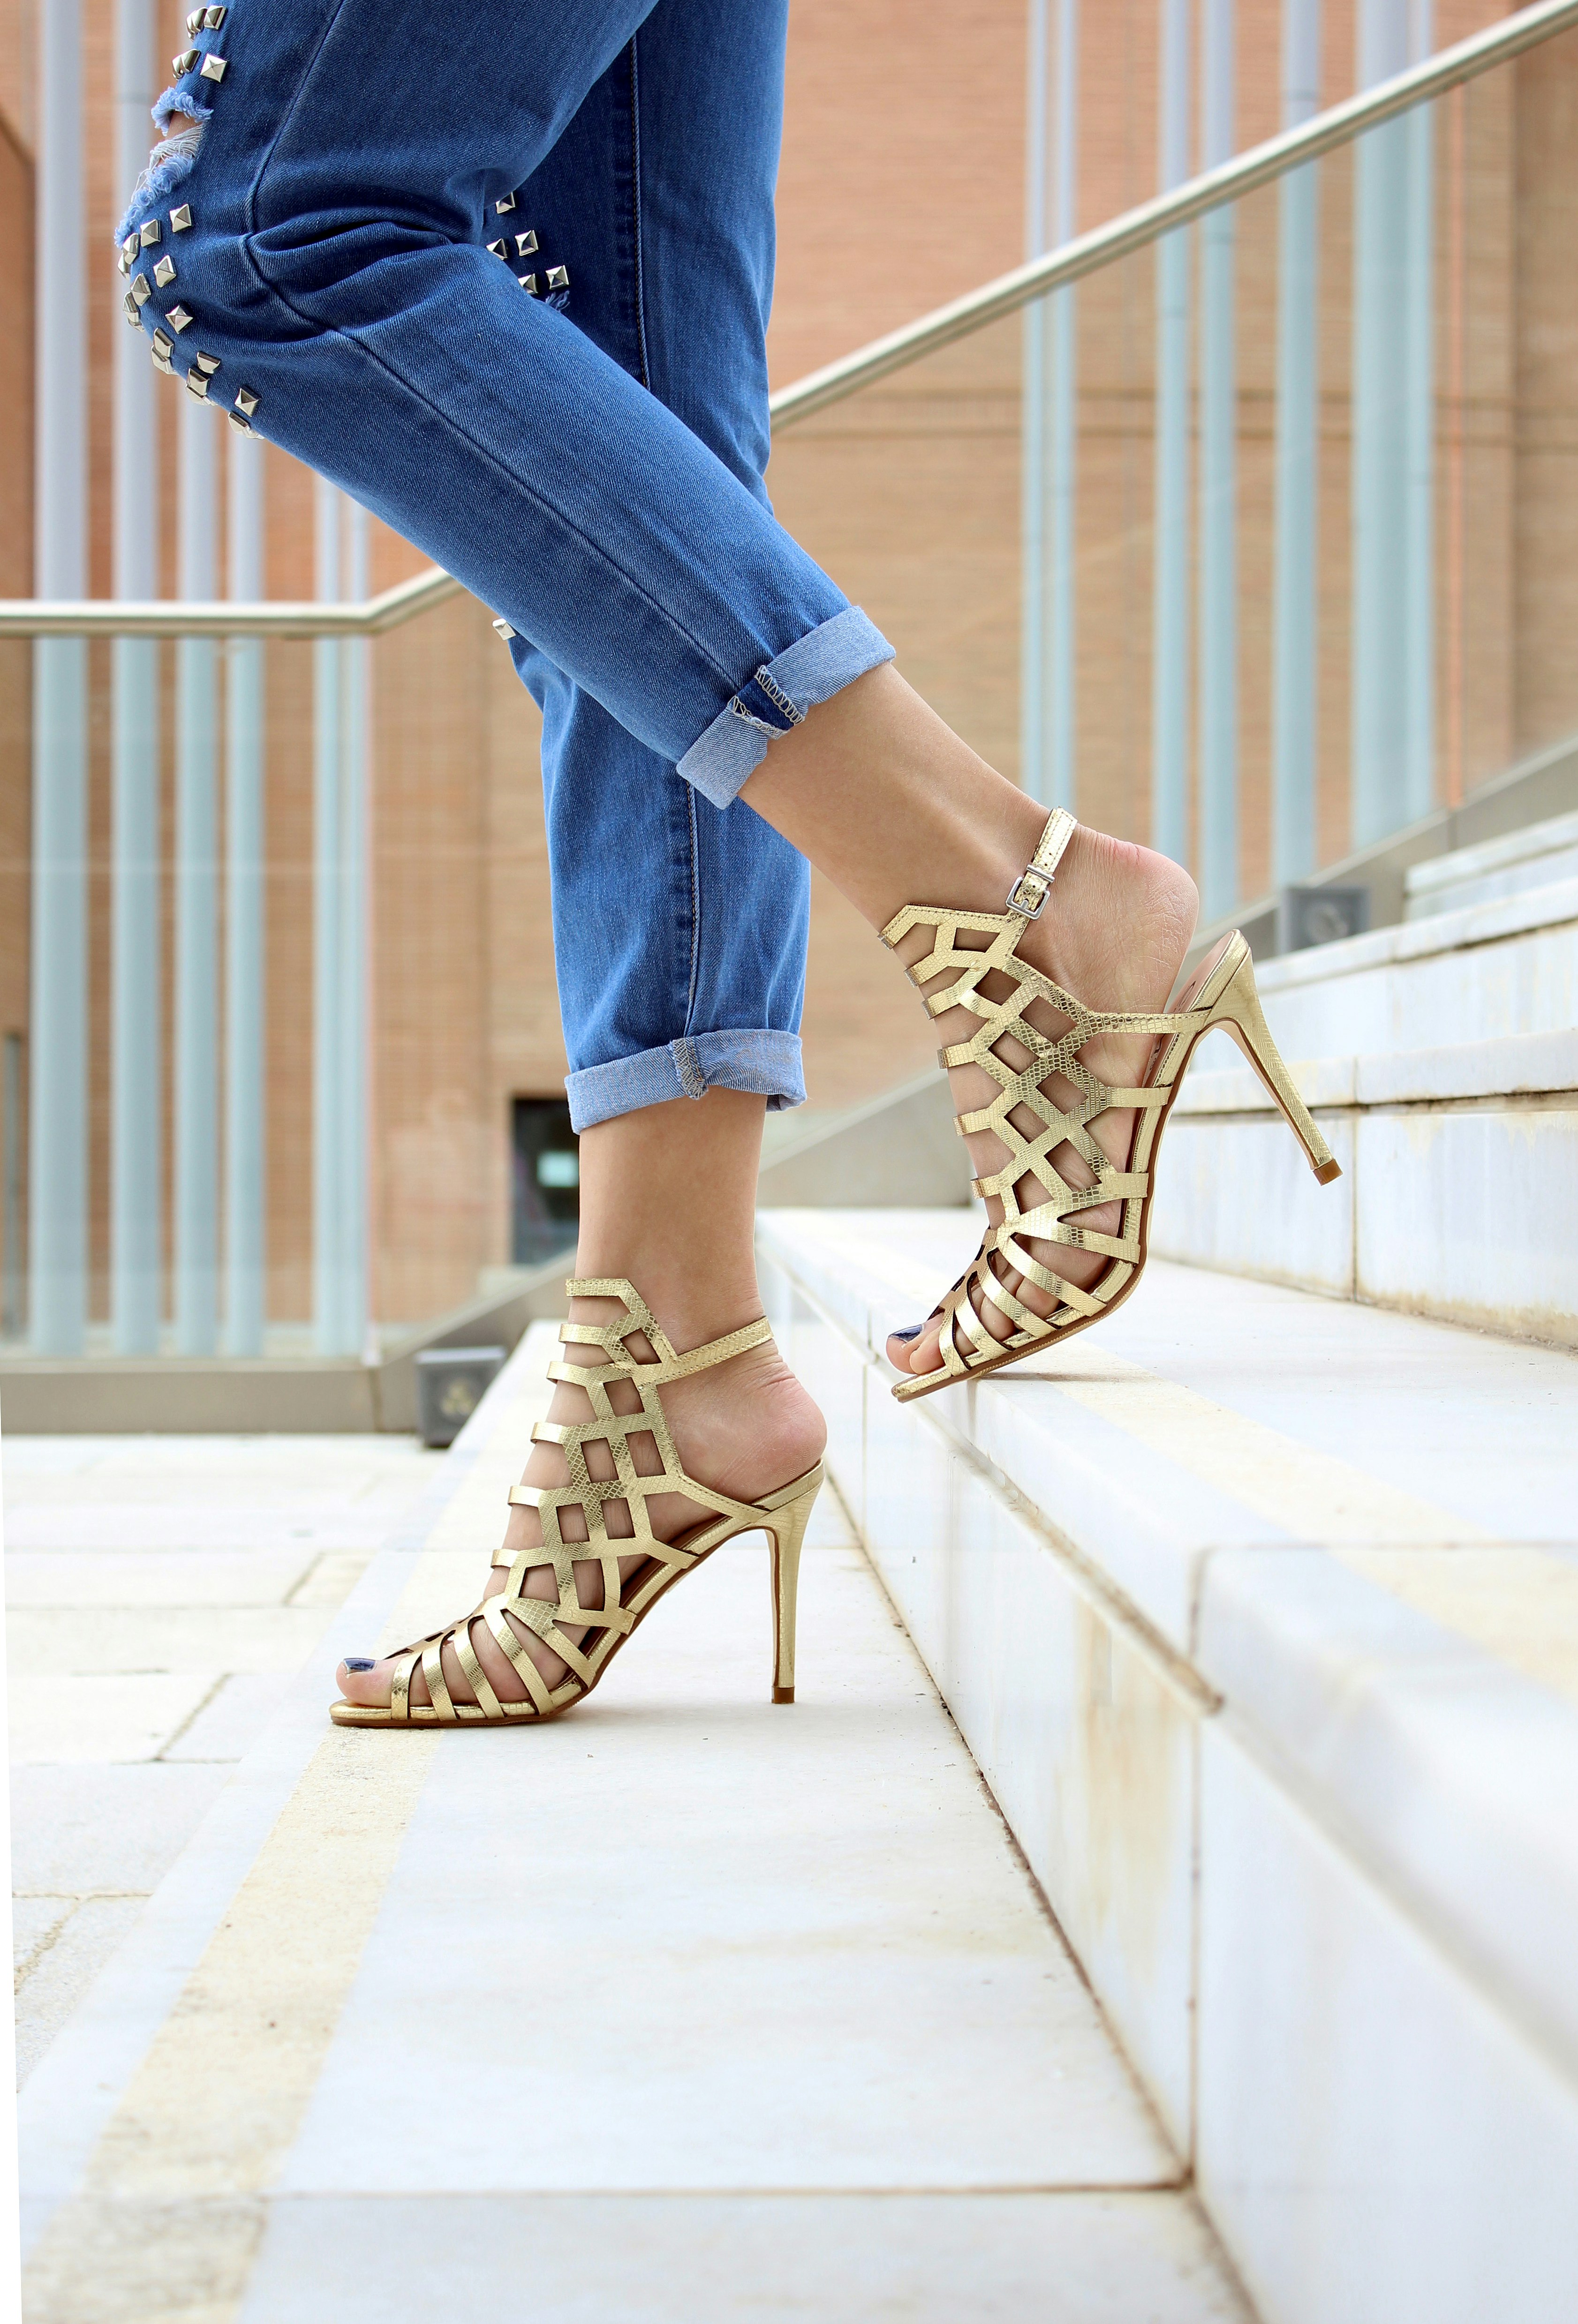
(249, 199)
(635, 213)
(435, 411)
(694, 912)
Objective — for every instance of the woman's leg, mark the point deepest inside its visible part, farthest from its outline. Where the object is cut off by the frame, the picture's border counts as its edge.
(679, 928)
(668, 1202)
(886, 798)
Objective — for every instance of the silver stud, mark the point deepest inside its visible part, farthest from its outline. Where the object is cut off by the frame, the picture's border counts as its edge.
(242, 427)
(528, 284)
(504, 631)
(124, 263)
(500, 249)
(247, 401)
(149, 234)
(208, 365)
(197, 384)
(194, 23)
(505, 206)
(213, 68)
(213, 18)
(163, 364)
(178, 319)
(164, 272)
(133, 312)
(140, 290)
(180, 218)
(163, 345)
(559, 278)
(525, 243)
(181, 65)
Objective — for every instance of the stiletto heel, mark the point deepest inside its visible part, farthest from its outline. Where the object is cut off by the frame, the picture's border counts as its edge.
(599, 1631)
(1239, 1011)
(1221, 992)
(793, 1505)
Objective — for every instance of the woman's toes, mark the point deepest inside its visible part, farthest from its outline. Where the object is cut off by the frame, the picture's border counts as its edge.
(359, 1681)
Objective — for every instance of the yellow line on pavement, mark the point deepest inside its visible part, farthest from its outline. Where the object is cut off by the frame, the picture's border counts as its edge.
(167, 2222)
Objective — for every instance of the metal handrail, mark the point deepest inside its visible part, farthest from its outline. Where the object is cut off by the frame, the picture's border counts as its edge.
(1120, 237)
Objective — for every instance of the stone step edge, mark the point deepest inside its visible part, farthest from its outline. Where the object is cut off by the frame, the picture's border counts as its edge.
(1404, 1722)
(1511, 1065)
(1556, 833)
(1466, 929)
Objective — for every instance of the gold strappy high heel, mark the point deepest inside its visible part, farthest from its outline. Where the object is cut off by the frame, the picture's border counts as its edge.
(1222, 992)
(784, 1514)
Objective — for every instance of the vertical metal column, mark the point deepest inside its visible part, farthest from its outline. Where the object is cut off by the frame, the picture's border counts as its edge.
(197, 909)
(1169, 683)
(1048, 474)
(136, 1194)
(1420, 125)
(1218, 481)
(1393, 615)
(245, 1123)
(1033, 421)
(1294, 647)
(354, 936)
(1062, 399)
(328, 1056)
(58, 1110)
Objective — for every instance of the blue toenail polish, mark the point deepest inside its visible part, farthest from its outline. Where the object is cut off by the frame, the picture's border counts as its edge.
(358, 1662)
(912, 1333)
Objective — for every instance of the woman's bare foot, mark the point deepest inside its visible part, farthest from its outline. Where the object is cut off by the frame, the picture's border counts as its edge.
(745, 1427)
(1114, 934)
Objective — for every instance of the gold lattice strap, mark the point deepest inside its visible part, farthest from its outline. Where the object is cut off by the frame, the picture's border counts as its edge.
(701, 1360)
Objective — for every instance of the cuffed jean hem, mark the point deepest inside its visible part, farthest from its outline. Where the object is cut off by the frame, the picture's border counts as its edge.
(820, 664)
(766, 1063)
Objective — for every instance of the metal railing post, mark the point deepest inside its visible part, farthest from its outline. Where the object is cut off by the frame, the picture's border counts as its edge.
(58, 1048)
(245, 999)
(1169, 638)
(355, 933)
(1218, 481)
(1047, 664)
(1393, 623)
(136, 1077)
(197, 911)
(1294, 702)
(329, 1058)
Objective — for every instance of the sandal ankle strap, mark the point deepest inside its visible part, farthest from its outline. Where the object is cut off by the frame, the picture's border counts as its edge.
(1028, 896)
(639, 1317)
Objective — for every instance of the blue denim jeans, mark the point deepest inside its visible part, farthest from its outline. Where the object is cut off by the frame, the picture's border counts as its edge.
(503, 272)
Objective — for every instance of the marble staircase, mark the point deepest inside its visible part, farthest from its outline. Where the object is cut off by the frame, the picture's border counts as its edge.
(1258, 1611)
(1440, 1058)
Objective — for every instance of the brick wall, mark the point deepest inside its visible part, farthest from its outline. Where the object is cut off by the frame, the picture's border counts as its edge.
(902, 186)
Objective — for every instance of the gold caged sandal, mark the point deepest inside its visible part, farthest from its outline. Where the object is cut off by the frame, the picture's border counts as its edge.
(783, 1515)
(1221, 992)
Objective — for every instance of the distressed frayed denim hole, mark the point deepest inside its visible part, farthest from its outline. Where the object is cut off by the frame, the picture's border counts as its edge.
(165, 167)
(689, 1068)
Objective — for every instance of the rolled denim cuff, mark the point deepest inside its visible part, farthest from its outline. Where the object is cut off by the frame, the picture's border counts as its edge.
(820, 664)
(767, 1064)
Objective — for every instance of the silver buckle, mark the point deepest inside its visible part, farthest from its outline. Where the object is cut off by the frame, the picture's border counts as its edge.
(1029, 892)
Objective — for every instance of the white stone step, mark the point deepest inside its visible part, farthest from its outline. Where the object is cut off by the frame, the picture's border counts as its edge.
(1259, 1613)
(1478, 975)
(1511, 866)
(1441, 1060)
(1458, 1192)
(689, 2008)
